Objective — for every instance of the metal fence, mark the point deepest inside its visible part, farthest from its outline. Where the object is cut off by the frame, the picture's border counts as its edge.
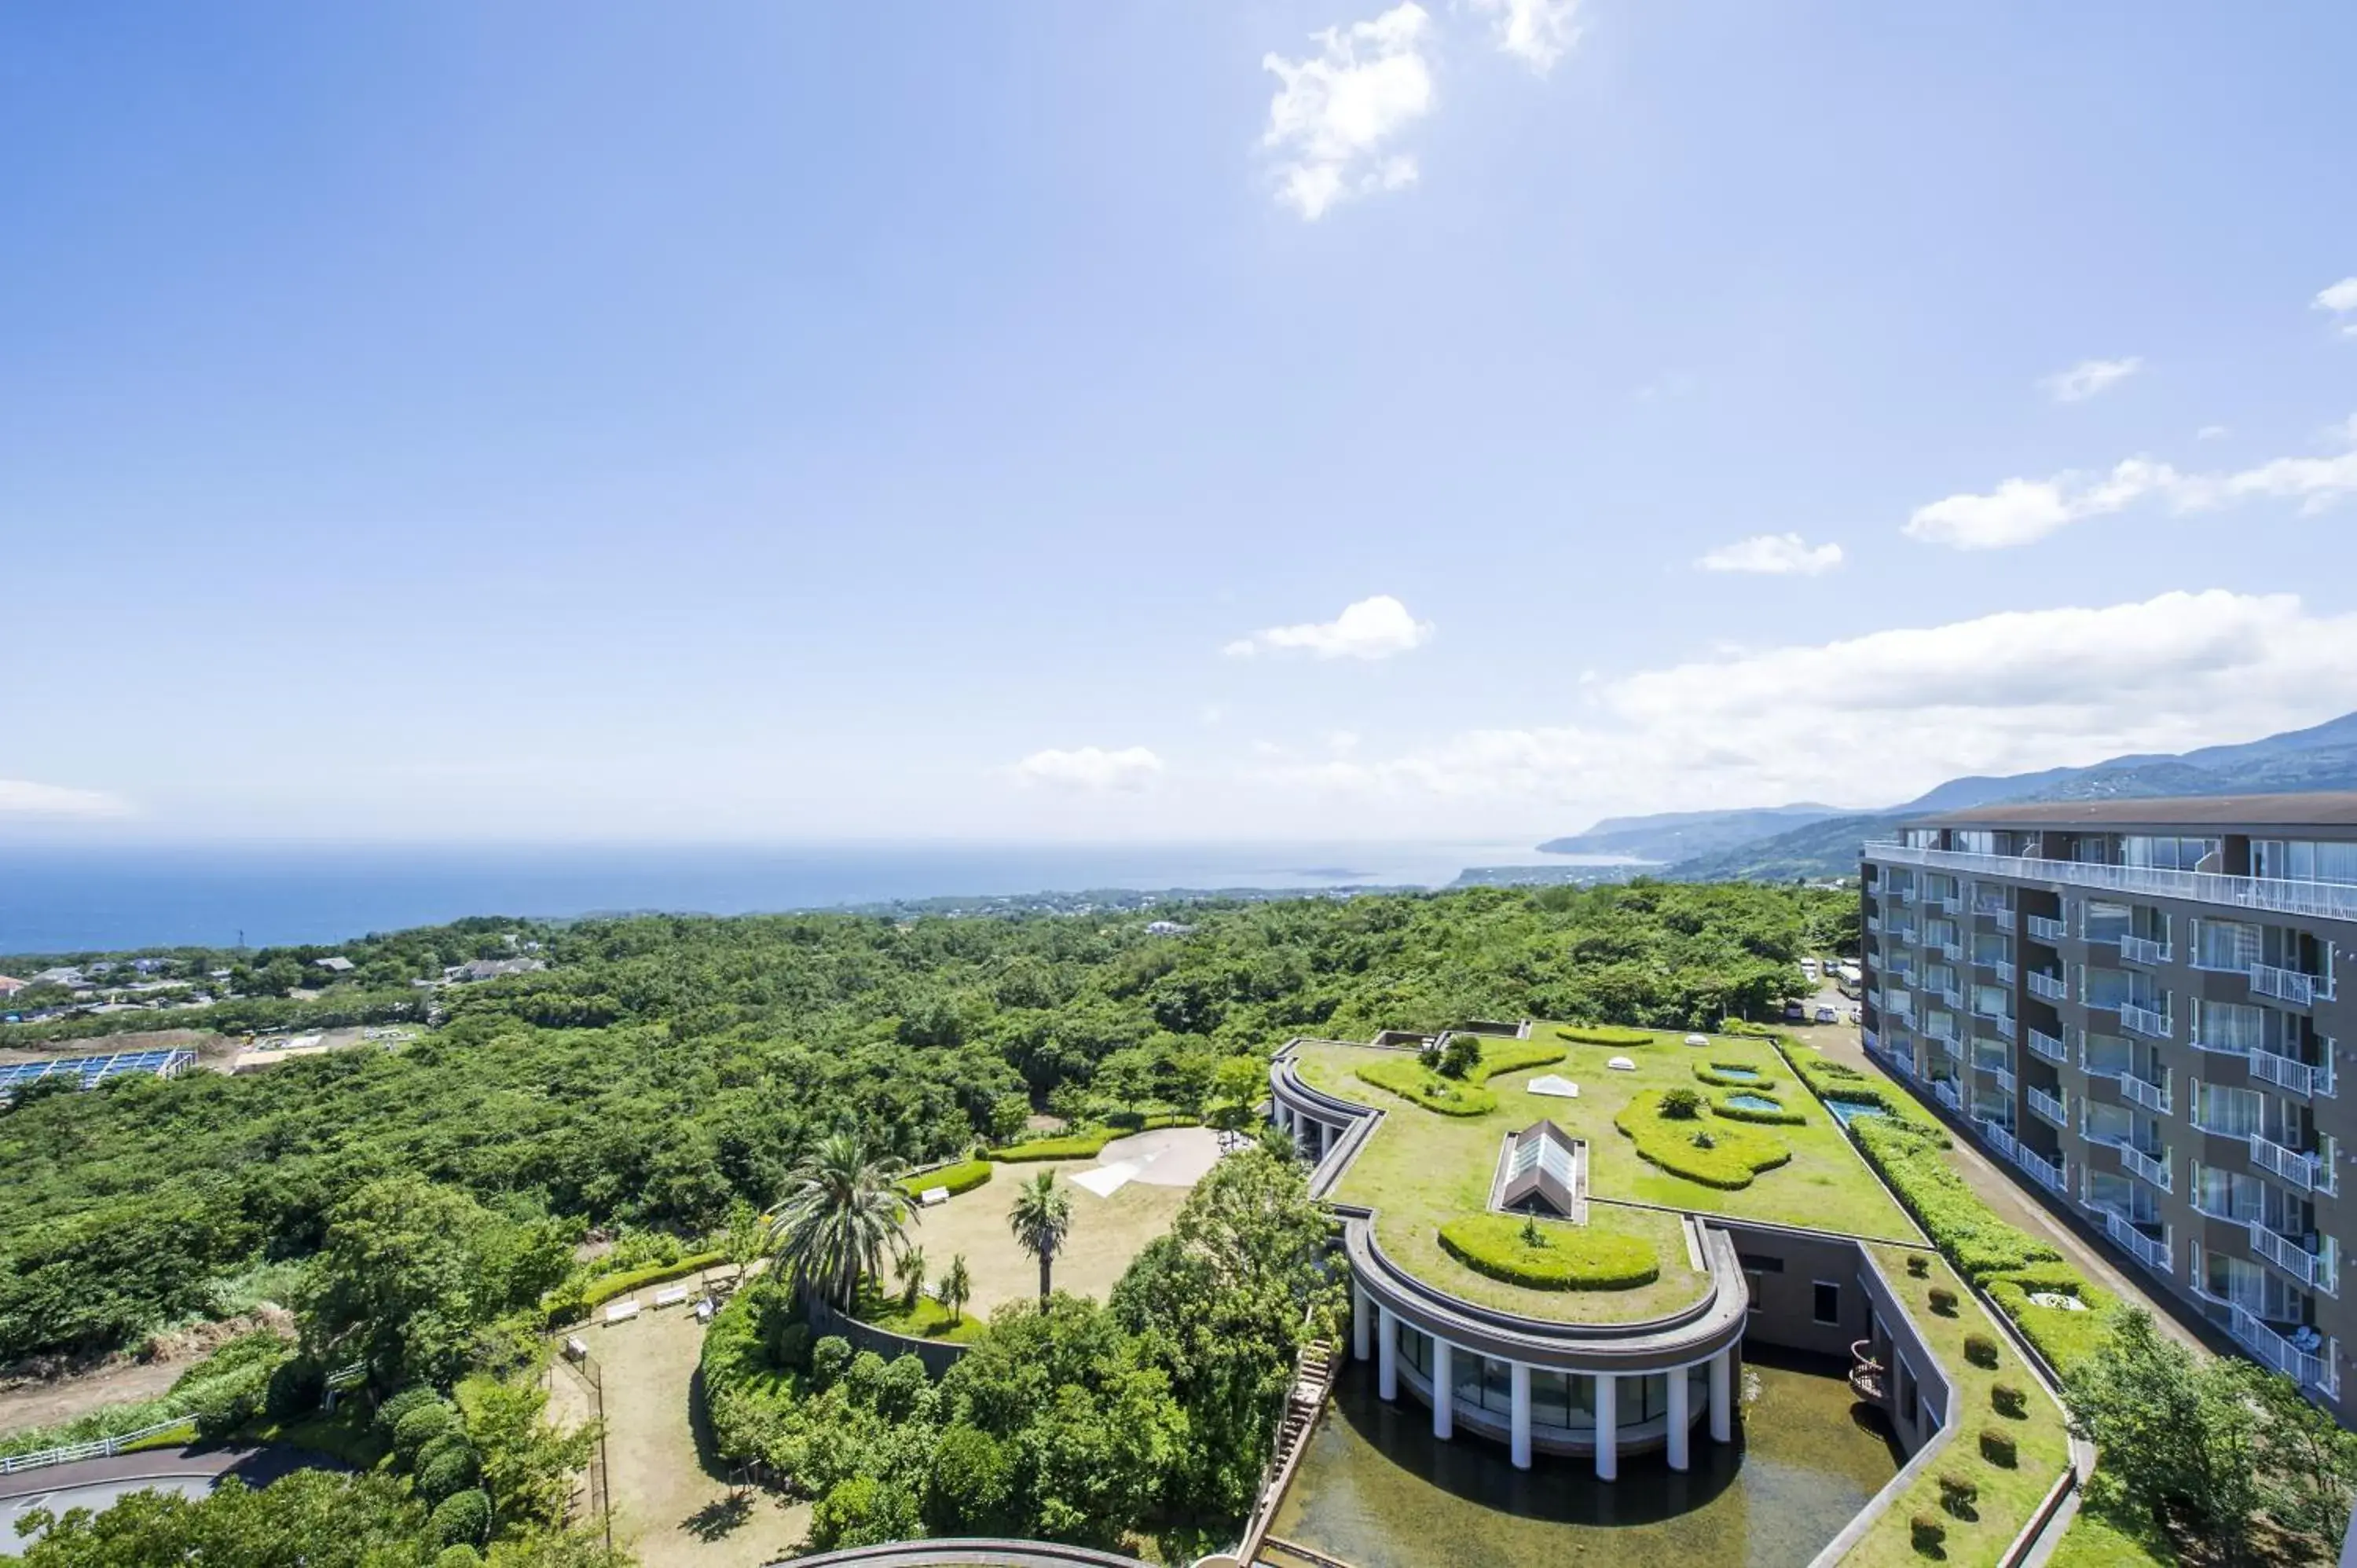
(96, 1449)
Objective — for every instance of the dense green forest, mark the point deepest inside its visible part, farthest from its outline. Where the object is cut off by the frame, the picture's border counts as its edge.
(661, 1068)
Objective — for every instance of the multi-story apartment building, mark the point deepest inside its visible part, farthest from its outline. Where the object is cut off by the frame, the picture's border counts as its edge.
(2135, 1003)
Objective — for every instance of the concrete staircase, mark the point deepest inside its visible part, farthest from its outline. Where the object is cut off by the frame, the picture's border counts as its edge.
(1313, 1380)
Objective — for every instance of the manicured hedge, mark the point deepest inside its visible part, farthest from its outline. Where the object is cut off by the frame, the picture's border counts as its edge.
(963, 1177)
(2063, 1336)
(1717, 1075)
(1513, 1056)
(1783, 1116)
(1570, 1258)
(569, 1304)
(1973, 1238)
(1605, 1034)
(1737, 1155)
(1411, 1080)
(1069, 1146)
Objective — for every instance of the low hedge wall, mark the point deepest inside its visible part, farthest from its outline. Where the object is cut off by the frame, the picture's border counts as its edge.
(1782, 1116)
(2063, 1336)
(1716, 1074)
(1951, 1214)
(1413, 1080)
(1513, 1056)
(1069, 1146)
(1605, 1034)
(1569, 1258)
(963, 1177)
(1735, 1156)
(565, 1305)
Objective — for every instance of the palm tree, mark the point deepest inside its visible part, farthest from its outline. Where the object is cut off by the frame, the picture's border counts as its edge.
(841, 1216)
(957, 1287)
(909, 1269)
(1042, 1219)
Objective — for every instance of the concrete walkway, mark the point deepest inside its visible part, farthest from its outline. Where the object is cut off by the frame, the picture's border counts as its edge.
(2015, 1202)
(100, 1483)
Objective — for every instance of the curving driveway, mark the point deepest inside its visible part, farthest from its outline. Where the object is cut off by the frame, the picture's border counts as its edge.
(99, 1483)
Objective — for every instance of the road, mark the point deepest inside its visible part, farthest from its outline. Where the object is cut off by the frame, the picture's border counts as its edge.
(99, 1483)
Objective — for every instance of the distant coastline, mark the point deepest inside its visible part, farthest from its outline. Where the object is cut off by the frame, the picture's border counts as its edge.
(63, 900)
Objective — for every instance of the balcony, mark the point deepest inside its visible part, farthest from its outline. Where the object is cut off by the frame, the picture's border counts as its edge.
(2144, 950)
(2003, 919)
(2046, 1173)
(1945, 1087)
(2050, 1107)
(2151, 1096)
(1874, 924)
(2293, 1077)
(2152, 1168)
(2290, 985)
(2309, 1368)
(2005, 971)
(1949, 904)
(2049, 1046)
(2097, 1068)
(2049, 987)
(2153, 1254)
(1997, 1136)
(2211, 1209)
(2316, 900)
(1953, 951)
(2313, 1270)
(2044, 928)
(2308, 1172)
(2146, 1021)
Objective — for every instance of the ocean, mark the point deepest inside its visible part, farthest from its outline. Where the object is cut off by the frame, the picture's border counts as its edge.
(56, 899)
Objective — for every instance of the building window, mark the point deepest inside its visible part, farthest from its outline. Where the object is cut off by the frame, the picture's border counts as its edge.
(1759, 1284)
(1828, 1301)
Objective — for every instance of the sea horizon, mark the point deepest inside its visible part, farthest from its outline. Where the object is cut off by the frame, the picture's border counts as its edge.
(75, 898)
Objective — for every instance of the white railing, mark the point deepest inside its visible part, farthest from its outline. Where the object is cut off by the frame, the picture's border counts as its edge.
(2218, 1047)
(2290, 985)
(2298, 1078)
(2004, 1080)
(2307, 1368)
(2310, 1269)
(2152, 1254)
(2005, 971)
(2047, 1046)
(2152, 1169)
(2143, 950)
(2094, 1069)
(2006, 1027)
(2046, 1173)
(2320, 900)
(2305, 1172)
(1951, 996)
(1874, 924)
(2052, 987)
(2049, 1106)
(1998, 1137)
(1872, 1041)
(2145, 1021)
(1953, 951)
(2048, 930)
(1945, 1087)
(2151, 1096)
(96, 1449)
(2003, 919)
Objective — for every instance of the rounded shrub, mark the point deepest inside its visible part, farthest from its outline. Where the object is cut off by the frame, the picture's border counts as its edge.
(1919, 1265)
(1681, 1104)
(458, 1554)
(1925, 1533)
(1958, 1493)
(446, 1465)
(418, 1428)
(2010, 1400)
(389, 1413)
(1998, 1448)
(1943, 1300)
(463, 1515)
(296, 1389)
(1566, 1258)
(830, 1359)
(1980, 1350)
(1604, 1035)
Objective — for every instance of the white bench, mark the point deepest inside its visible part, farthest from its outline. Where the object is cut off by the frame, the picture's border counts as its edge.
(671, 1297)
(932, 1195)
(621, 1312)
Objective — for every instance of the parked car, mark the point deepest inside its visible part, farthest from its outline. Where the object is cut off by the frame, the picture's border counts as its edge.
(1828, 1016)
(1793, 1013)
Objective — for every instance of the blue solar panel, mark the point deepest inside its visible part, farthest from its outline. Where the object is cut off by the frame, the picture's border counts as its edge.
(93, 1069)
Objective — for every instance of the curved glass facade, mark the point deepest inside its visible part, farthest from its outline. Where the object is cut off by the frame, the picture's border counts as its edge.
(1560, 1401)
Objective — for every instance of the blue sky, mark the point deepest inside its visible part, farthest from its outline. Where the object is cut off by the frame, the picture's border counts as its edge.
(439, 421)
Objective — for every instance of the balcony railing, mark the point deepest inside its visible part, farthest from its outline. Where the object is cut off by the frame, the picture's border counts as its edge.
(2003, 919)
(1998, 1137)
(2052, 987)
(2290, 985)
(2045, 928)
(2046, 1173)
(2308, 1173)
(2297, 1077)
(1945, 1087)
(2318, 900)
(2047, 1046)
(2153, 1168)
(2146, 1021)
(2316, 1271)
(1873, 1041)
(2309, 1368)
(2005, 971)
(2144, 950)
(2211, 1207)
(1953, 951)
(2151, 1096)
(2152, 1254)
(2049, 1106)
(2219, 1047)
(2095, 1066)
(1874, 924)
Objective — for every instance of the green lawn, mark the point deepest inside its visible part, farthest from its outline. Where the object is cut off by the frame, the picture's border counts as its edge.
(929, 1319)
(2008, 1496)
(1442, 1165)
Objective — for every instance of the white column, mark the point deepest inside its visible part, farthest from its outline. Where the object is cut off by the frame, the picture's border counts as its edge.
(1386, 1354)
(1722, 1401)
(1362, 1327)
(1680, 1418)
(1522, 1385)
(1607, 1434)
(1444, 1389)
(1284, 1117)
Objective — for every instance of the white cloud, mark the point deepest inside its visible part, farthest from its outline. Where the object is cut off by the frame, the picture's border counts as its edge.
(20, 797)
(2340, 300)
(1329, 125)
(2085, 378)
(1371, 629)
(1091, 768)
(1536, 32)
(1887, 714)
(1775, 554)
(2019, 512)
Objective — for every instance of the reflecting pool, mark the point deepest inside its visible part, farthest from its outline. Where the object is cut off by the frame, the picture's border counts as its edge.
(1753, 1102)
(1376, 1490)
(1737, 1074)
(1846, 1112)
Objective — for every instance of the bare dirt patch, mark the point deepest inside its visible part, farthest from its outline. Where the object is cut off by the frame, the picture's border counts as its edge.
(46, 1392)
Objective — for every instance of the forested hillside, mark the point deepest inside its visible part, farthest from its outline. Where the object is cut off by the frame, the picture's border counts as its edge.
(661, 1068)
